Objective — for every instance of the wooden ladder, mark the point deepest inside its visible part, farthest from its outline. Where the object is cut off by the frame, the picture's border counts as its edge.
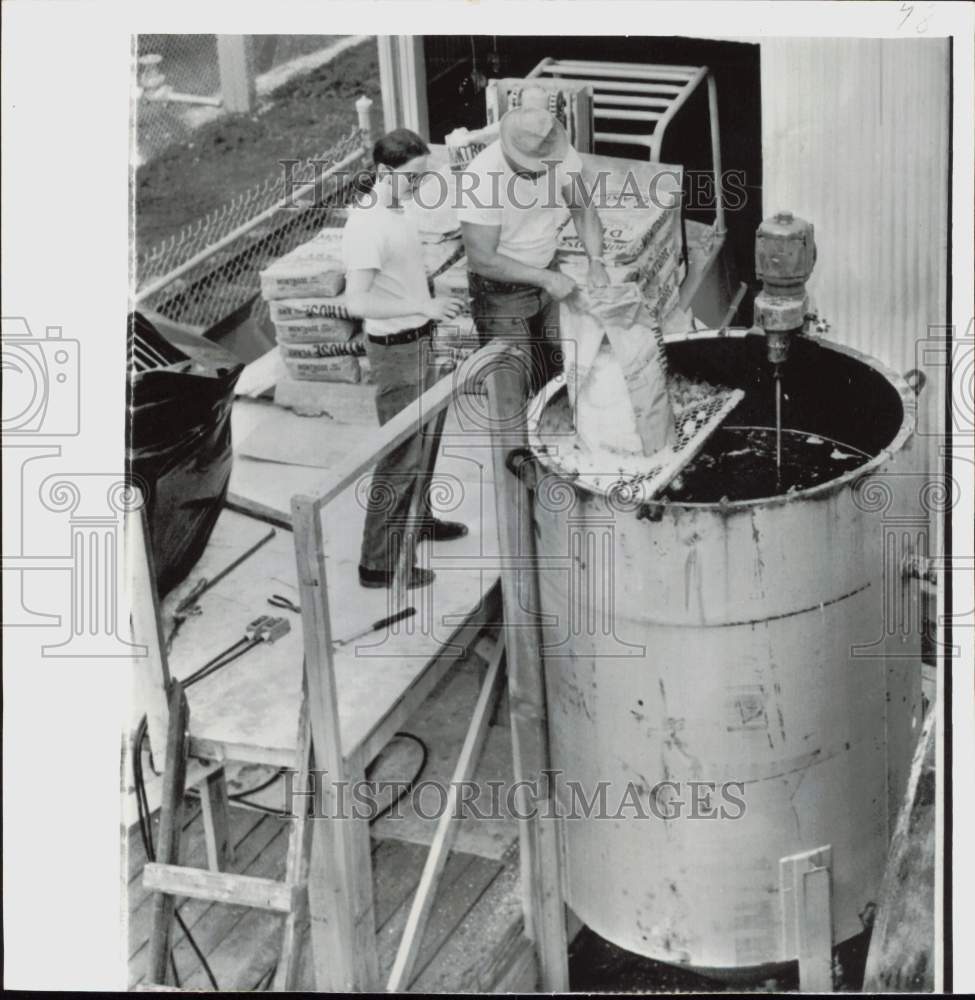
(169, 880)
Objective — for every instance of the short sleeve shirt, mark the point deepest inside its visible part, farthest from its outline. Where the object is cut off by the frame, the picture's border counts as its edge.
(386, 240)
(529, 211)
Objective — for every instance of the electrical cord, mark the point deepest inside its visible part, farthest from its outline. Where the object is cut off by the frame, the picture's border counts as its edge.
(230, 654)
(407, 788)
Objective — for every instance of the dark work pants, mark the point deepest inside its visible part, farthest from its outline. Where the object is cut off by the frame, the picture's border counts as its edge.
(520, 314)
(402, 373)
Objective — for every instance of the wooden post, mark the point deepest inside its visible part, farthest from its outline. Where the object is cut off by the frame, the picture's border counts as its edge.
(152, 668)
(363, 108)
(170, 832)
(389, 82)
(237, 87)
(507, 386)
(401, 976)
(807, 921)
(296, 865)
(342, 920)
(216, 829)
(413, 85)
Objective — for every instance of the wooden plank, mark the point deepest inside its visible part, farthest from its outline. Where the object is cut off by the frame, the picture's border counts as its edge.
(402, 972)
(419, 689)
(902, 956)
(237, 87)
(217, 921)
(242, 824)
(151, 669)
(220, 887)
(260, 854)
(465, 880)
(245, 505)
(540, 850)
(170, 831)
(351, 403)
(380, 442)
(216, 829)
(340, 876)
(262, 375)
(520, 973)
(816, 939)
(247, 712)
(474, 956)
(296, 864)
(283, 437)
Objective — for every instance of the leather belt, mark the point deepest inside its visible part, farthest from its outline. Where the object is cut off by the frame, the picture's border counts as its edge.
(404, 336)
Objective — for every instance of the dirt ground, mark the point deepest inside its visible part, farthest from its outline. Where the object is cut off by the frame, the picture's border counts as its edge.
(205, 168)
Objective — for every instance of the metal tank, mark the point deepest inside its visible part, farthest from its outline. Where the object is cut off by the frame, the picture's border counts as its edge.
(729, 642)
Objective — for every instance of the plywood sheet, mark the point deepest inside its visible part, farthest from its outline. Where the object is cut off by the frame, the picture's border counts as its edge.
(251, 706)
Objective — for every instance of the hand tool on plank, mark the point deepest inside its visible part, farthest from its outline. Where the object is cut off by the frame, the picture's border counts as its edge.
(377, 625)
(187, 606)
(204, 584)
(280, 601)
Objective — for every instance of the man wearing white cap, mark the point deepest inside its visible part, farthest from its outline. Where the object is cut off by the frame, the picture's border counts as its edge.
(513, 199)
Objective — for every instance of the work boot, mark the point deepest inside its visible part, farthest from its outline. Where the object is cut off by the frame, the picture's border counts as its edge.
(378, 578)
(441, 531)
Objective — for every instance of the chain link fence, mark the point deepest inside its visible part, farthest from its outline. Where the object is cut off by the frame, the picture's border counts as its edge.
(209, 271)
(180, 84)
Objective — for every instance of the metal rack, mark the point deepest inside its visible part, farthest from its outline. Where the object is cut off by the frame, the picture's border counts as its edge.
(639, 92)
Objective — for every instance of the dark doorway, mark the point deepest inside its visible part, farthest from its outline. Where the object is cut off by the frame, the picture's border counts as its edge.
(459, 66)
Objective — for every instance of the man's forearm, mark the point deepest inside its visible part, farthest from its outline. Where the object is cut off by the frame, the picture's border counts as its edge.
(589, 228)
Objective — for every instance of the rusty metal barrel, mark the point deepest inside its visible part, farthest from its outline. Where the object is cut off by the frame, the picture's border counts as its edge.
(719, 702)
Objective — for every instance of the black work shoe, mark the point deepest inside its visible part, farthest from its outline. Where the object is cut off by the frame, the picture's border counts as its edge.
(442, 531)
(376, 578)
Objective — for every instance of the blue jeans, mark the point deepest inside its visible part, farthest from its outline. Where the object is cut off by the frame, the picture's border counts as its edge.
(519, 314)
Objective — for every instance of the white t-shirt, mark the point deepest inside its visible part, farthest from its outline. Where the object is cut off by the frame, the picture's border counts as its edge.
(385, 239)
(529, 212)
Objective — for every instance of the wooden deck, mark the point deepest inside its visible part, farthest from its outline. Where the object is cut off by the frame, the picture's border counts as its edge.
(479, 903)
(475, 936)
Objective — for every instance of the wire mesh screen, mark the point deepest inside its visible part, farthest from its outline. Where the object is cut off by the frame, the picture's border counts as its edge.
(210, 270)
(188, 65)
(630, 480)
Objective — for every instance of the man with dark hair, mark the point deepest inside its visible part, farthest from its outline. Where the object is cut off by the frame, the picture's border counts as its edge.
(387, 286)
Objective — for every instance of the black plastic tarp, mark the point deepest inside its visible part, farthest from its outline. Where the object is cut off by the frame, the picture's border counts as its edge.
(180, 393)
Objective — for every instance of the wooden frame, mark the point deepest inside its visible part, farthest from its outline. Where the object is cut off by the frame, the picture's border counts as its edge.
(340, 877)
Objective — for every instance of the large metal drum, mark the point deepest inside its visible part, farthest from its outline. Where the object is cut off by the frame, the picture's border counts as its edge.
(688, 646)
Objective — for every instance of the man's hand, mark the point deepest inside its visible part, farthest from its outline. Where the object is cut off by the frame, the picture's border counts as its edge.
(598, 276)
(440, 310)
(560, 286)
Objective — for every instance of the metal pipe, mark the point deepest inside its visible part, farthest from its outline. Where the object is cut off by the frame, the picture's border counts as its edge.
(631, 116)
(628, 73)
(716, 155)
(690, 70)
(163, 95)
(627, 101)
